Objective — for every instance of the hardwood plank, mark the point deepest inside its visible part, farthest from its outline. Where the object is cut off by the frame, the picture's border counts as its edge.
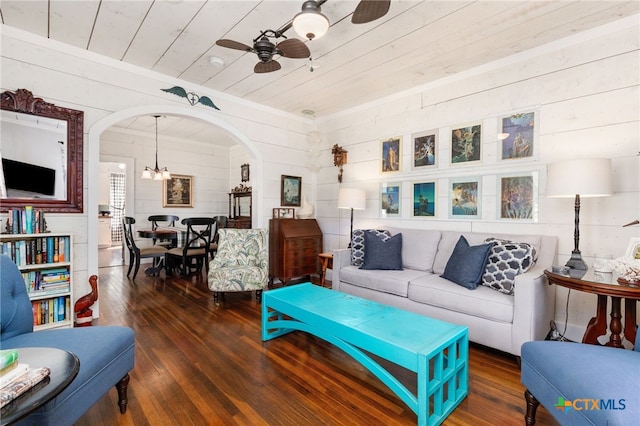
(198, 363)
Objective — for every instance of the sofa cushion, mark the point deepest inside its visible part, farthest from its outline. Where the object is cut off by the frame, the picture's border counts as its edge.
(392, 282)
(506, 260)
(419, 247)
(358, 245)
(483, 302)
(382, 254)
(450, 238)
(467, 263)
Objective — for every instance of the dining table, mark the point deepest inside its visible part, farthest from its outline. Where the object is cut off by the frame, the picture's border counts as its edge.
(172, 234)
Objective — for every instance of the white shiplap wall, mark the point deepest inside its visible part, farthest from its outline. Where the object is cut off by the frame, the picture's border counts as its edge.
(585, 90)
(110, 91)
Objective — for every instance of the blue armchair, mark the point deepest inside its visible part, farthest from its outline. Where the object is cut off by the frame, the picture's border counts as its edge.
(106, 354)
(582, 384)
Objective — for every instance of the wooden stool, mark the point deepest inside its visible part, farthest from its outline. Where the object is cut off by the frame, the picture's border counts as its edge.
(326, 259)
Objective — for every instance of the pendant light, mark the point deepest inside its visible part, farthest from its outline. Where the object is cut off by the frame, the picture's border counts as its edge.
(157, 173)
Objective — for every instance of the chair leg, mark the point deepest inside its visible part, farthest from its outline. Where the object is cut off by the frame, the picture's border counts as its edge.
(122, 386)
(532, 406)
(135, 272)
(131, 260)
(258, 296)
(216, 297)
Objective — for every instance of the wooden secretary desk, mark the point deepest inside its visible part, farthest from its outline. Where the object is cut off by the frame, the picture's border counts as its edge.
(294, 245)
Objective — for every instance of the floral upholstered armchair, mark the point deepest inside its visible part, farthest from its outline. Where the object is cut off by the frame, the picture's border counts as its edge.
(241, 264)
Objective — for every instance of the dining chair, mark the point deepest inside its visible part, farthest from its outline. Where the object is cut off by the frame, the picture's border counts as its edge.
(163, 221)
(136, 253)
(195, 251)
(221, 222)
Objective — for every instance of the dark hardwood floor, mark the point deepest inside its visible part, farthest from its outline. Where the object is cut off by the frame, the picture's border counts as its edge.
(202, 364)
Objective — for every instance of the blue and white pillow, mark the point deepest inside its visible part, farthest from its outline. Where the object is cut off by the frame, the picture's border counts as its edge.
(358, 246)
(507, 259)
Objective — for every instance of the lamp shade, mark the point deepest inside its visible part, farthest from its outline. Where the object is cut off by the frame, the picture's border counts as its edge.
(351, 198)
(310, 24)
(589, 177)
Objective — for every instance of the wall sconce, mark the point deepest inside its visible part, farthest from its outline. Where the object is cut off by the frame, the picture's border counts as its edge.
(339, 158)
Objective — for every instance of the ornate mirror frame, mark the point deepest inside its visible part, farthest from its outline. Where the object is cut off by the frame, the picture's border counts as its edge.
(22, 101)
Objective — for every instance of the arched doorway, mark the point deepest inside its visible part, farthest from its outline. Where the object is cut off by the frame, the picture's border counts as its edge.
(93, 159)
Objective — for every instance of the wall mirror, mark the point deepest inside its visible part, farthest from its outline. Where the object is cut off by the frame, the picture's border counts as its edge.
(41, 153)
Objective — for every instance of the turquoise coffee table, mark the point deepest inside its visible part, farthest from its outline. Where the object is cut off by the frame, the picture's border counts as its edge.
(435, 350)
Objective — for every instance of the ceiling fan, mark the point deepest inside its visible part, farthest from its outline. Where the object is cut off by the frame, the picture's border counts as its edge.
(311, 24)
(265, 49)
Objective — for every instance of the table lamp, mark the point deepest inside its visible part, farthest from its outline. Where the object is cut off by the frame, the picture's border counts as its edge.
(589, 177)
(354, 199)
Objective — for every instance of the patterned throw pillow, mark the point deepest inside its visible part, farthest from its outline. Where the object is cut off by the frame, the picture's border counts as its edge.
(357, 243)
(507, 259)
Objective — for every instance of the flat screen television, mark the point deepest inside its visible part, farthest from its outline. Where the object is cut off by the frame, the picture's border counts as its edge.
(19, 176)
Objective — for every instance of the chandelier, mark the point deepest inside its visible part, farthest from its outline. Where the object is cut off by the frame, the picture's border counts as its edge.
(157, 173)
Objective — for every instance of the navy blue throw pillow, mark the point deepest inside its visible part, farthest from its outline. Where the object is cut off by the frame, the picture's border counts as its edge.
(382, 254)
(466, 264)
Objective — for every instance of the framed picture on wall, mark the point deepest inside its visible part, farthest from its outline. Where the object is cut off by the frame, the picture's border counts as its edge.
(290, 191)
(517, 136)
(424, 199)
(464, 198)
(425, 149)
(390, 199)
(466, 144)
(391, 154)
(244, 172)
(177, 191)
(518, 197)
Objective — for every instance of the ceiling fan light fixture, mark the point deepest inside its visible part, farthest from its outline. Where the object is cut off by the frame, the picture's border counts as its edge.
(310, 24)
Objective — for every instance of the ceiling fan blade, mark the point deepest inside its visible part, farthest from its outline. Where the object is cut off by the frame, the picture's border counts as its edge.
(231, 44)
(293, 48)
(370, 10)
(262, 67)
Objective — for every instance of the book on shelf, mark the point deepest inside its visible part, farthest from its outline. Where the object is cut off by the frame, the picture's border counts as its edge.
(19, 386)
(25, 221)
(38, 250)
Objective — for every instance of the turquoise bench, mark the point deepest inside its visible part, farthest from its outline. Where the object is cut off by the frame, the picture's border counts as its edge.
(435, 350)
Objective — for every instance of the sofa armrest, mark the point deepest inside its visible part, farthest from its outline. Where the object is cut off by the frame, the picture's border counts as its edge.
(341, 258)
(534, 307)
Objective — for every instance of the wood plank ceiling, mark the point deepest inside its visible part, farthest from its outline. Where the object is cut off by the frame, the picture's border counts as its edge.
(415, 43)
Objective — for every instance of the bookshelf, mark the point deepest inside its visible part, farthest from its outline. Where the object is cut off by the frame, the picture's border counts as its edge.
(45, 261)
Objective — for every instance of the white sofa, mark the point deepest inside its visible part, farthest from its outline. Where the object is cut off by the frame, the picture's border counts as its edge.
(494, 319)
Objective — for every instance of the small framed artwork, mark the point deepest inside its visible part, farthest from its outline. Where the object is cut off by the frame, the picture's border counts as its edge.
(425, 149)
(464, 198)
(177, 191)
(390, 154)
(390, 199)
(517, 134)
(290, 191)
(518, 197)
(244, 172)
(424, 199)
(633, 249)
(284, 213)
(466, 144)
